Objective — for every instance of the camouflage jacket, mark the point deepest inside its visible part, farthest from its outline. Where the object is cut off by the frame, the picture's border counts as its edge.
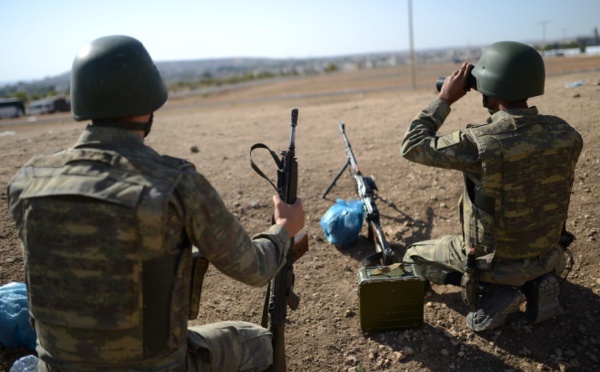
(509, 164)
(107, 229)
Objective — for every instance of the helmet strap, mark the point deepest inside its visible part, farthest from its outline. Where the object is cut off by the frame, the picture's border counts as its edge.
(486, 104)
(128, 125)
(148, 126)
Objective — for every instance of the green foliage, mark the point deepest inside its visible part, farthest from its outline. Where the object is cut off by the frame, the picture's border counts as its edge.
(207, 80)
(554, 46)
(28, 92)
(22, 96)
(331, 68)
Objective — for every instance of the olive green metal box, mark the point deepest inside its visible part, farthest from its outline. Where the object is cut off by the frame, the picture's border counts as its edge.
(390, 297)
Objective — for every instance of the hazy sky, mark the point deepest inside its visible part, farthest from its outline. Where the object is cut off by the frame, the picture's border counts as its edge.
(41, 37)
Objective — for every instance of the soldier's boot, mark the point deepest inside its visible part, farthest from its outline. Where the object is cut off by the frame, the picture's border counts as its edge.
(497, 302)
(542, 298)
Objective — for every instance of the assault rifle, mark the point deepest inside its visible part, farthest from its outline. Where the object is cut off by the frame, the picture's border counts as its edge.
(282, 296)
(367, 191)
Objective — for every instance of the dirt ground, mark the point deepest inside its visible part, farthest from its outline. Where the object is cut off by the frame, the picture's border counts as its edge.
(377, 107)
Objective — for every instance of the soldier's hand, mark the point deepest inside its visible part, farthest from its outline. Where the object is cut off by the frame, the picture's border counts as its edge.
(454, 85)
(290, 216)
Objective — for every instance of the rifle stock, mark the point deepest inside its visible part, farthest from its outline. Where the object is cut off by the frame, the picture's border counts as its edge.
(366, 189)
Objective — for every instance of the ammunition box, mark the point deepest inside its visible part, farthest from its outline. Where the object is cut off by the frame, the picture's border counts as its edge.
(390, 299)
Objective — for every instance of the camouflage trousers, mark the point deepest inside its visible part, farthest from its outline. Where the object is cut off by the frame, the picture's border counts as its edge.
(229, 346)
(439, 257)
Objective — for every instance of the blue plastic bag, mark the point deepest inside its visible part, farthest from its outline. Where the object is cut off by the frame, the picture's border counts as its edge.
(343, 221)
(25, 364)
(15, 329)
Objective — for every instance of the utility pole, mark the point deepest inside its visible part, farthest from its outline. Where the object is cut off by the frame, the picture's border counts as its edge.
(412, 46)
(543, 36)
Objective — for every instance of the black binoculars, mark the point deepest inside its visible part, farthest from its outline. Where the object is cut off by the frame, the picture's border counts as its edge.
(471, 83)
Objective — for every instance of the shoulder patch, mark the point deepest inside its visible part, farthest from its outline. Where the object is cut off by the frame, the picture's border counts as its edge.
(447, 140)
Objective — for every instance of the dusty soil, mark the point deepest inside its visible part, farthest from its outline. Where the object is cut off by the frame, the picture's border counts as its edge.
(377, 106)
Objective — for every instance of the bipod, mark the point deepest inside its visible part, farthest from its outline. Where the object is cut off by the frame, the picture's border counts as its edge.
(337, 176)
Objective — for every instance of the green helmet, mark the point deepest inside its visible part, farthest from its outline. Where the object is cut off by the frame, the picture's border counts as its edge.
(510, 71)
(114, 76)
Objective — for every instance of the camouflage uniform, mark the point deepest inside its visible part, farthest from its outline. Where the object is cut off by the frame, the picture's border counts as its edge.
(107, 229)
(518, 172)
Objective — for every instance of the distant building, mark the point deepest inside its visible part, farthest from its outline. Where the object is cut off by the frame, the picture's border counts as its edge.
(11, 108)
(48, 106)
(587, 41)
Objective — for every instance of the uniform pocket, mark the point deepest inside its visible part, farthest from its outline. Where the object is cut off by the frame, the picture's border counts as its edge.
(479, 229)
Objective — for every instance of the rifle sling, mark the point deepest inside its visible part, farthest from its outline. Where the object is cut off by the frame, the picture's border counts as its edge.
(257, 169)
(265, 315)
